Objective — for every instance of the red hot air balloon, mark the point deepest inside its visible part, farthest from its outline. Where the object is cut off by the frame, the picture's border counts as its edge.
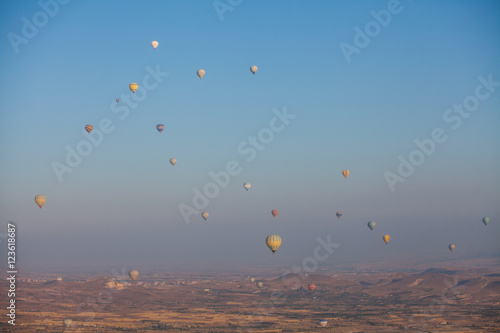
(275, 212)
(311, 287)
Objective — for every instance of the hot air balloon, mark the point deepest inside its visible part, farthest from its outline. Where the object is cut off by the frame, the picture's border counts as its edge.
(173, 161)
(89, 128)
(386, 238)
(40, 200)
(67, 322)
(339, 214)
(451, 247)
(200, 73)
(486, 220)
(204, 215)
(247, 186)
(345, 173)
(117, 100)
(133, 274)
(323, 322)
(275, 212)
(371, 225)
(252, 280)
(273, 242)
(133, 87)
(260, 284)
(253, 69)
(154, 44)
(160, 127)
(311, 287)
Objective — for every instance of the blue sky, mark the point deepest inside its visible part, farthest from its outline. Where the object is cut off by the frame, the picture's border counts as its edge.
(120, 205)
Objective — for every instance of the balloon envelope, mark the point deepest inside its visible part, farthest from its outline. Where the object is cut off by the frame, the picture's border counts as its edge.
(205, 215)
(273, 242)
(154, 44)
(451, 247)
(247, 186)
(67, 322)
(89, 128)
(345, 173)
(253, 69)
(40, 200)
(386, 238)
(133, 274)
(275, 212)
(252, 280)
(371, 225)
(311, 287)
(260, 284)
(486, 220)
(200, 73)
(117, 100)
(133, 87)
(339, 214)
(173, 161)
(160, 127)
(323, 322)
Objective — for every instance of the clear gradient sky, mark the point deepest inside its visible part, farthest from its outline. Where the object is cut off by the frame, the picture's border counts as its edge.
(120, 206)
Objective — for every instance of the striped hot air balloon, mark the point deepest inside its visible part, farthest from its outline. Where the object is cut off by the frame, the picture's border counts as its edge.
(339, 214)
(40, 200)
(273, 242)
(323, 322)
(160, 127)
(133, 87)
(311, 287)
(89, 128)
(275, 212)
(345, 173)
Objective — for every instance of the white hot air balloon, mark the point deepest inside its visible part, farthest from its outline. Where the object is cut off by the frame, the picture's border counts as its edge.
(67, 322)
(173, 161)
(247, 186)
(154, 44)
(253, 69)
(200, 73)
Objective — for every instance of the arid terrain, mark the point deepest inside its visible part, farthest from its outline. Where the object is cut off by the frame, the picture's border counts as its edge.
(434, 300)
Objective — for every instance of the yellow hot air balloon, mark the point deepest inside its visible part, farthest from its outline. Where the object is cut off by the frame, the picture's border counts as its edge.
(451, 247)
(345, 173)
(200, 73)
(273, 242)
(133, 87)
(89, 128)
(386, 238)
(204, 215)
(40, 200)
(252, 280)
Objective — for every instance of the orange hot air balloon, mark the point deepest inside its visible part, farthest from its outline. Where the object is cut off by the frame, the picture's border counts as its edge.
(311, 287)
(275, 212)
(386, 238)
(345, 173)
(117, 100)
(89, 128)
